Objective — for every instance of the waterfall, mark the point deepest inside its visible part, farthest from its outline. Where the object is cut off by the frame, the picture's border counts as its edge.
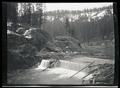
(65, 69)
(63, 64)
(44, 64)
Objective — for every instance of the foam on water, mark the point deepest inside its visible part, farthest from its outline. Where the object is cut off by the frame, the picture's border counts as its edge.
(65, 70)
(63, 64)
(44, 64)
(66, 73)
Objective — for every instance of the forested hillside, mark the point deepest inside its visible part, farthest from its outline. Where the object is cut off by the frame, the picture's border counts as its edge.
(69, 39)
(87, 25)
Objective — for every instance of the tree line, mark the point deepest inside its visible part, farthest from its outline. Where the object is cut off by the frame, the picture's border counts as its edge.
(33, 15)
(28, 14)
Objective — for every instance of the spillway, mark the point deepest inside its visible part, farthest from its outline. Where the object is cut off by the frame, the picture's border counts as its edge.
(71, 65)
(63, 64)
(63, 73)
(44, 64)
(65, 68)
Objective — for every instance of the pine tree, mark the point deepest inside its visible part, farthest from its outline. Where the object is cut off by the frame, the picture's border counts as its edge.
(12, 14)
(67, 26)
(40, 14)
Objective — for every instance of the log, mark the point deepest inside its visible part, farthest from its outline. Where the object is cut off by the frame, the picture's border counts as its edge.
(82, 69)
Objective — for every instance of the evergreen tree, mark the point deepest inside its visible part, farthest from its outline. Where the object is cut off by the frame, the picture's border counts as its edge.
(67, 26)
(40, 14)
(12, 14)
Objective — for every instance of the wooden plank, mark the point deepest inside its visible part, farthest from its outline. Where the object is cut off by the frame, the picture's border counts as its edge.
(82, 69)
(109, 73)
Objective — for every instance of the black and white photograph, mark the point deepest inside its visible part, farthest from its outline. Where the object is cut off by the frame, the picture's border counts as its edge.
(60, 43)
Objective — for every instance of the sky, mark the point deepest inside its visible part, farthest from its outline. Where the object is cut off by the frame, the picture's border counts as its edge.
(74, 6)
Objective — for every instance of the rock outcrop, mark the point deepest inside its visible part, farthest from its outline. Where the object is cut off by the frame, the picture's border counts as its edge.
(22, 50)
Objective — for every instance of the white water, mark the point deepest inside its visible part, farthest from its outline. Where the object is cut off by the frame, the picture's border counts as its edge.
(57, 75)
(44, 64)
(63, 64)
(66, 73)
(65, 69)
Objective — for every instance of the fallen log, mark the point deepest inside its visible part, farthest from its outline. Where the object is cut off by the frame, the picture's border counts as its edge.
(82, 69)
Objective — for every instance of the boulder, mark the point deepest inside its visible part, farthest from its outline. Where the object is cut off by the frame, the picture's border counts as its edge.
(68, 43)
(14, 40)
(22, 50)
(38, 37)
(60, 47)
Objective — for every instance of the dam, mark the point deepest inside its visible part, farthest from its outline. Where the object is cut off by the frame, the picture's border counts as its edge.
(67, 72)
(65, 69)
